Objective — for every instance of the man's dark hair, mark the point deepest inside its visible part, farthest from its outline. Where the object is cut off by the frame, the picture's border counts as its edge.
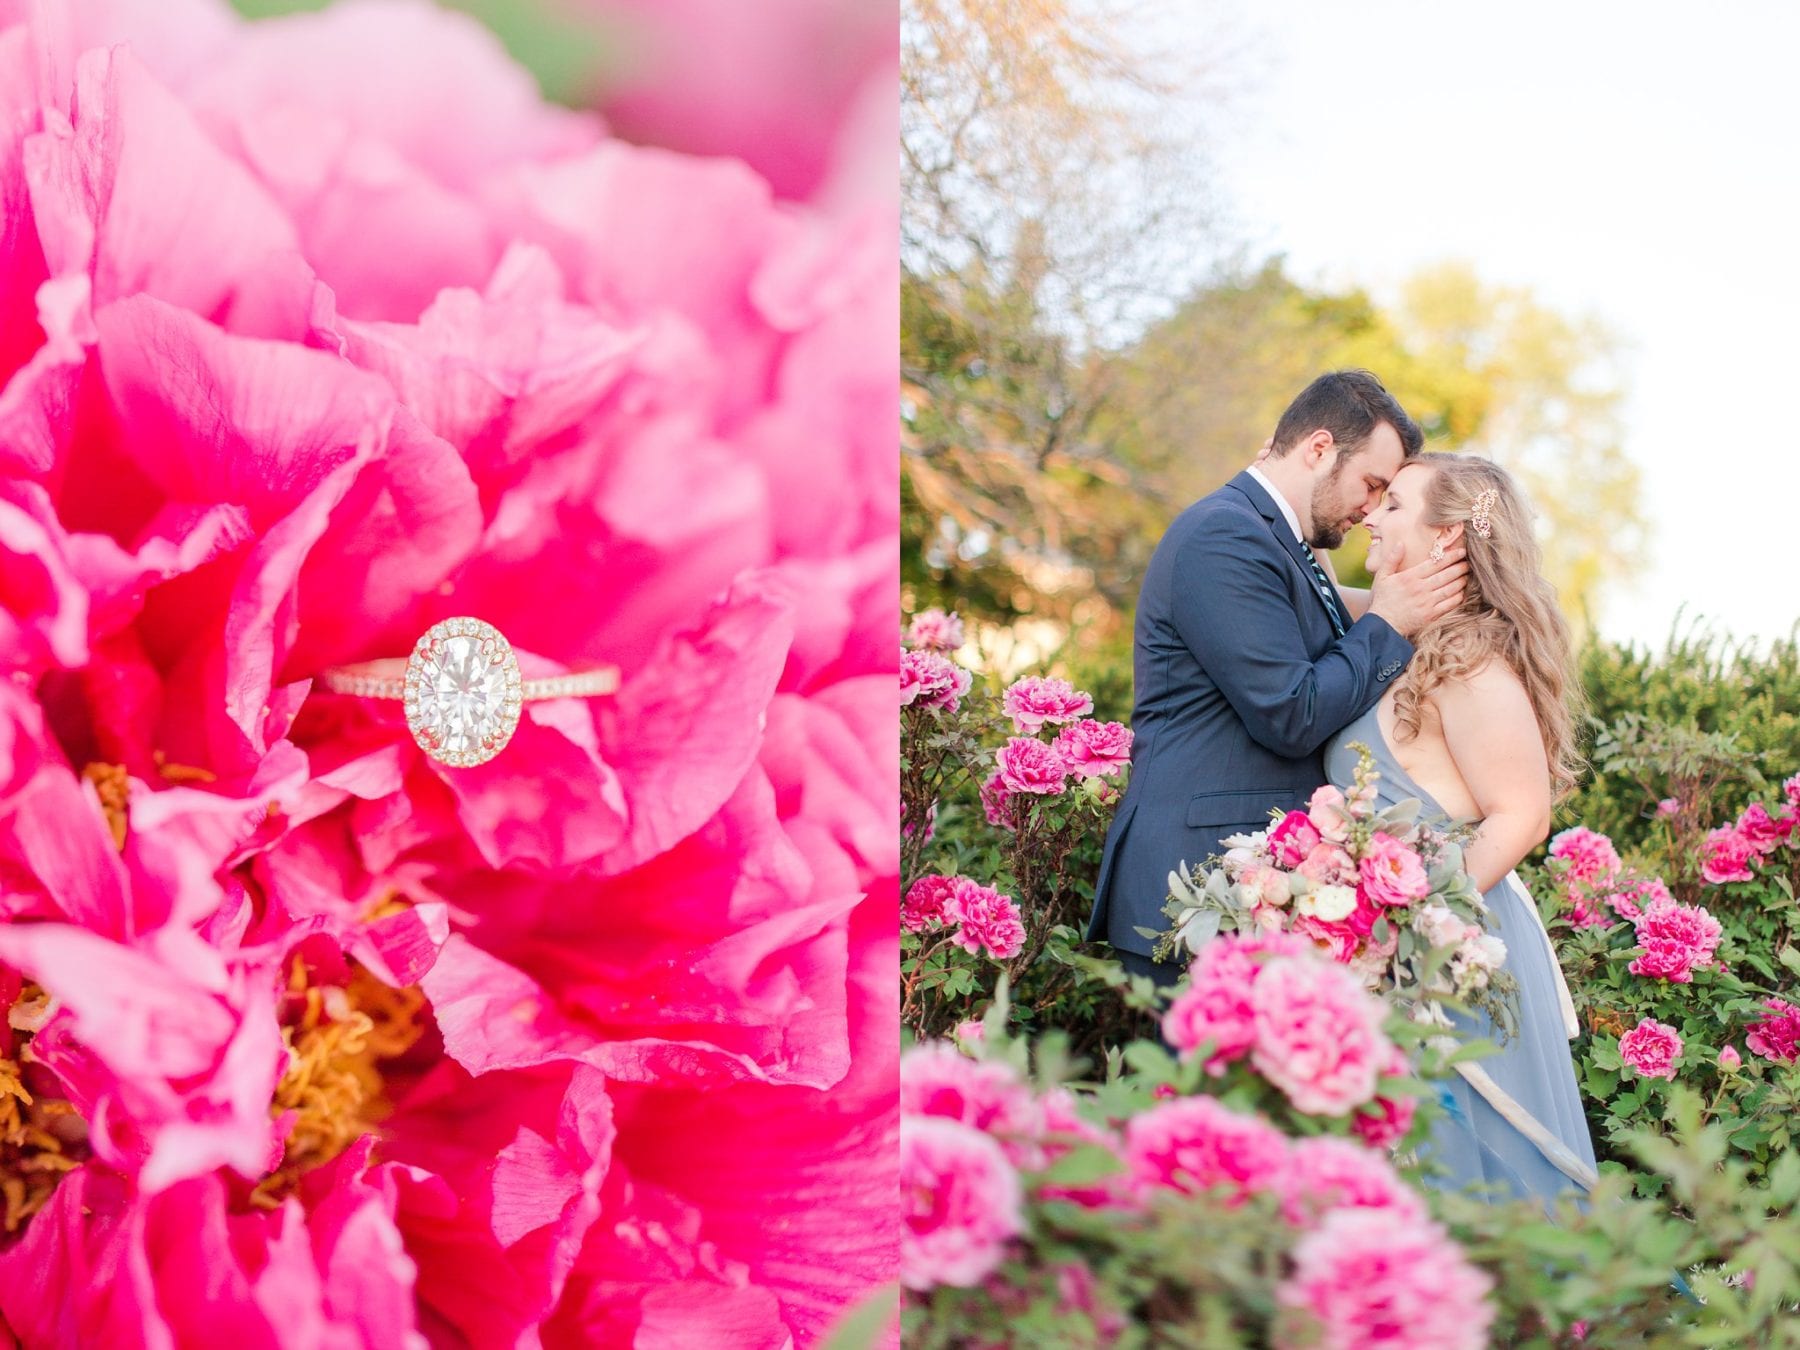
(1349, 404)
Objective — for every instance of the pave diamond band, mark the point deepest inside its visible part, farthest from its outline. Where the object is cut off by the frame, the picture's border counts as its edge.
(462, 689)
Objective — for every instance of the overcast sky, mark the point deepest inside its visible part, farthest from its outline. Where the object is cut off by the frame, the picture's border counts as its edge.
(1640, 162)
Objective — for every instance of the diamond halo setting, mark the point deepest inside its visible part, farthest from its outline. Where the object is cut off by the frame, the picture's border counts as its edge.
(462, 692)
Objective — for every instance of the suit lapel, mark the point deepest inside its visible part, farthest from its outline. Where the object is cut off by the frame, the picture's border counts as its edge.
(1278, 526)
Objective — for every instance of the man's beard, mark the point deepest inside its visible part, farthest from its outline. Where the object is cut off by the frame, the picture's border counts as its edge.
(1326, 502)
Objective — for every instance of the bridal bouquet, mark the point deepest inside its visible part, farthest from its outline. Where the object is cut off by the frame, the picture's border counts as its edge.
(1379, 891)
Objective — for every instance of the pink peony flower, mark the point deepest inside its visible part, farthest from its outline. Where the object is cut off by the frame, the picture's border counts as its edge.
(924, 904)
(1329, 813)
(1095, 749)
(961, 1203)
(1325, 1174)
(1215, 1007)
(997, 802)
(936, 1079)
(1762, 832)
(1338, 941)
(929, 680)
(1728, 855)
(1196, 1145)
(1676, 940)
(1026, 764)
(1293, 837)
(1790, 790)
(314, 331)
(1651, 1048)
(935, 631)
(987, 920)
(1729, 1058)
(1668, 806)
(1392, 873)
(1630, 901)
(1368, 1278)
(1777, 1035)
(1036, 701)
(1384, 1121)
(1591, 857)
(1318, 1035)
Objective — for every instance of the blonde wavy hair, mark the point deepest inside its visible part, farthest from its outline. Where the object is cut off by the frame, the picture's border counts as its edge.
(1508, 612)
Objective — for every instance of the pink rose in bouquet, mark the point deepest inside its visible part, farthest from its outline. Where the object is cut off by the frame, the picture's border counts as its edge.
(1038, 701)
(1777, 1035)
(1392, 874)
(1728, 855)
(1293, 838)
(1651, 1048)
(961, 1203)
(1329, 865)
(1095, 749)
(1026, 764)
(1330, 814)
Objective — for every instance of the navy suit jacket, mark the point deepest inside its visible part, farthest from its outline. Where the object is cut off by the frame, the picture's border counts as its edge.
(1240, 682)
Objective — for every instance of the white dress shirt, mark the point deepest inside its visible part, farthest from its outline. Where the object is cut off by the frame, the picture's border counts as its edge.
(1281, 501)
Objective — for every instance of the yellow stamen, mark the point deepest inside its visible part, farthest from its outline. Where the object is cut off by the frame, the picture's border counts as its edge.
(40, 1139)
(113, 784)
(333, 1083)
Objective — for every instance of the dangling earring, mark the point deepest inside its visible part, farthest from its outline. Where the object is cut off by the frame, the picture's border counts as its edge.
(1437, 552)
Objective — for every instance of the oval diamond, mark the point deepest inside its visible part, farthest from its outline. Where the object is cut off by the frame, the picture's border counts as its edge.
(463, 670)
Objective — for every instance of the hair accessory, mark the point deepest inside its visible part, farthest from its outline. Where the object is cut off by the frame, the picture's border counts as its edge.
(1478, 514)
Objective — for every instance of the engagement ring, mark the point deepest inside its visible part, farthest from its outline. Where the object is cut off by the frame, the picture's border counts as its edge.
(462, 689)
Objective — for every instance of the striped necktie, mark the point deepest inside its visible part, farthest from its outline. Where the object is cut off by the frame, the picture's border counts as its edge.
(1327, 592)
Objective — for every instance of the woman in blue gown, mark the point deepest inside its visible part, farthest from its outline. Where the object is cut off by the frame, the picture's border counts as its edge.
(1480, 729)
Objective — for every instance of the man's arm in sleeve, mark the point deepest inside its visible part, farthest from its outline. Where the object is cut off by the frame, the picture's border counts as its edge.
(1232, 607)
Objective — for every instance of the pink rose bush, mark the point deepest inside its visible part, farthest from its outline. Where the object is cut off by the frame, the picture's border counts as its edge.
(1377, 891)
(313, 332)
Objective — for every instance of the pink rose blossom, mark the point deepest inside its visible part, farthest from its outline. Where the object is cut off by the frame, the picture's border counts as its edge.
(1325, 1174)
(1293, 837)
(1318, 1035)
(1729, 1058)
(1196, 1145)
(924, 904)
(1677, 939)
(929, 680)
(1372, 1278)
(1591, 857)
(1392, 873)
(997, 802)
(1728, 855)
(936, 631)
(1095, 749)
(1037, 701)
(1651, 1048)
(961, 1203)
(1328, 811)
(1269, 885)
(986, 920)
(1026, 764)
(1328, 865)
(1777, 1035)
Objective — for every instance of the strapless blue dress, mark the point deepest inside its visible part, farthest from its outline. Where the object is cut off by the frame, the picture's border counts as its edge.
(1530, 1137)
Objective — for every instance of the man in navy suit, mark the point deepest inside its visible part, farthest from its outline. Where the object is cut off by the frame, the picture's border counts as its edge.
(1247, 658)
